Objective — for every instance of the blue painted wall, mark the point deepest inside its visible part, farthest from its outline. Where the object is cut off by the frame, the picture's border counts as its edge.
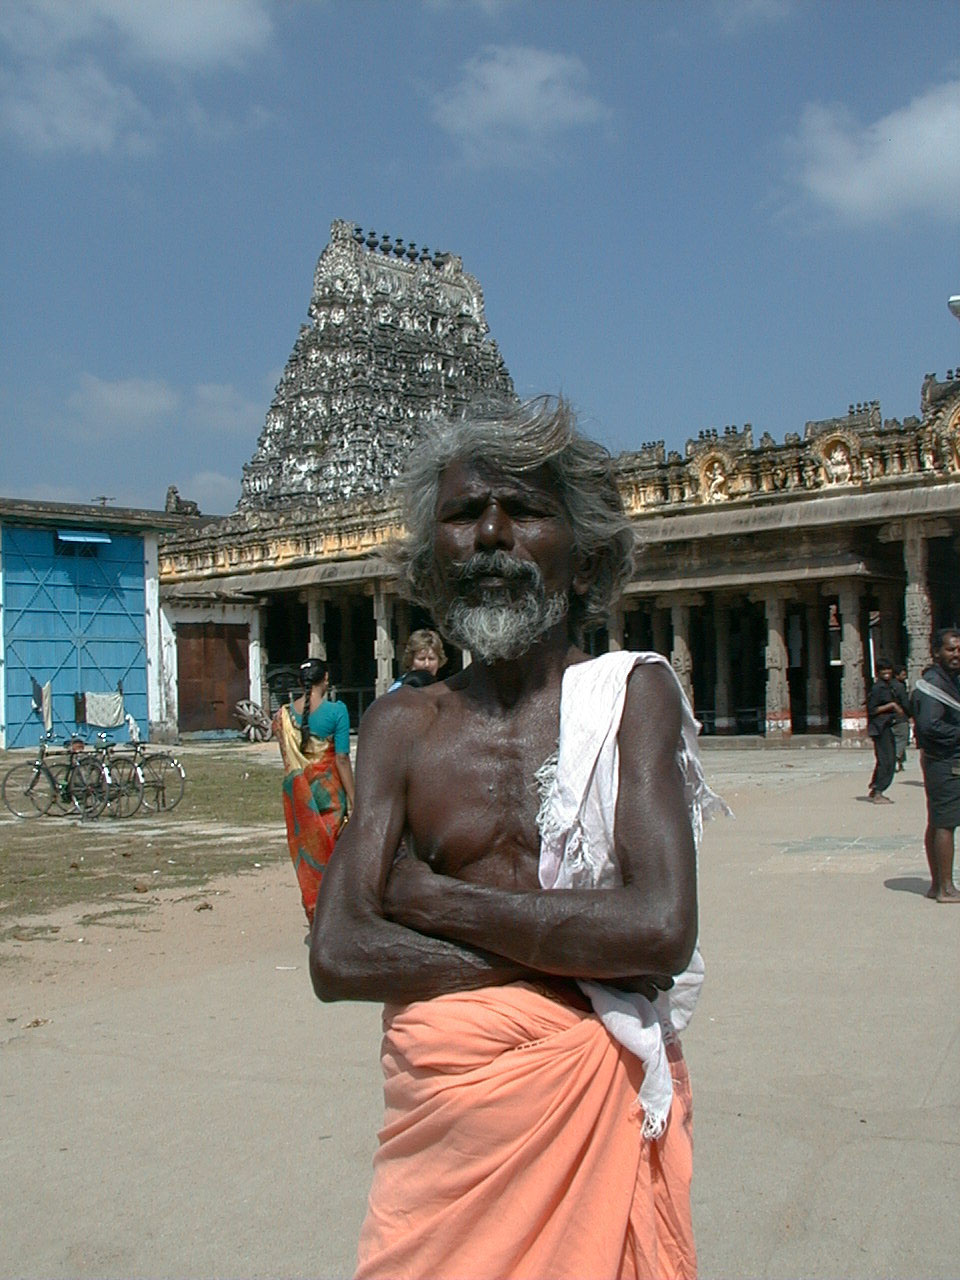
(73, 614)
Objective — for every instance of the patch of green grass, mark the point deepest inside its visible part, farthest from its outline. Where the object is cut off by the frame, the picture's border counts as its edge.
(230, 818)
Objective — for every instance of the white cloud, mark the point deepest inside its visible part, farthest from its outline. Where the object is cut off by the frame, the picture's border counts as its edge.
(48, 492)
(491, 8)
(737, 16)
(193, 34)
(189, 34)
(104, 409)
(51, 109)
(221, 408)
(513, 104)
(65, 86)
(906, 162)
(100, 410)
(214, 494)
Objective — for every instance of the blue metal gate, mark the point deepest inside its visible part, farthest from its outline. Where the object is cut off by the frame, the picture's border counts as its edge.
(73, 614)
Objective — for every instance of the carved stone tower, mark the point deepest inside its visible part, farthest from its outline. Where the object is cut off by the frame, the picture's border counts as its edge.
(397, 337)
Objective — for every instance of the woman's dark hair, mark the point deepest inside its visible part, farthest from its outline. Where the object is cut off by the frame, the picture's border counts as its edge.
(313, 671)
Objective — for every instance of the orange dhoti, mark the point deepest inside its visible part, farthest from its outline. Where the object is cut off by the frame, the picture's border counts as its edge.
(512, 1149)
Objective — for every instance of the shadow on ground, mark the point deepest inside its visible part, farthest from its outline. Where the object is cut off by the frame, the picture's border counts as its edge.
(907, 884)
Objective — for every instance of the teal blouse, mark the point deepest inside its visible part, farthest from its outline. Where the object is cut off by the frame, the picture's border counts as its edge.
(329, 720)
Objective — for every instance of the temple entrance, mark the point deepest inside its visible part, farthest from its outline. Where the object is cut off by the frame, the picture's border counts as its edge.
(213, 674)
(286, 640)
(748, 673)
(798, 659)
(943, 577)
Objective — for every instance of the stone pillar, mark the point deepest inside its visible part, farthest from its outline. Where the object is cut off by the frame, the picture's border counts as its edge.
(346, 639)
(853, 695)
(680, 658)
(615, 628)
(316, 621)
(916, 600)
(383, 642)
(777, 720)
(888, 599)
(817, 714)
(725, 721)
(658, 626)
(401, 617)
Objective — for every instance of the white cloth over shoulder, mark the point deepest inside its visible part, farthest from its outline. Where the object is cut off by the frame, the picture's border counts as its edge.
(576, 822)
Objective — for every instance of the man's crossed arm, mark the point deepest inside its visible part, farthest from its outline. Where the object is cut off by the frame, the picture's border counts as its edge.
(397, 931)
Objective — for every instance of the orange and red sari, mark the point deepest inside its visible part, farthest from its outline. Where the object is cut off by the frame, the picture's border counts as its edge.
(314, 804)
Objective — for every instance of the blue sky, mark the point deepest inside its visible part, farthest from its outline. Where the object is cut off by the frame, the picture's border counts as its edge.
(683, 215)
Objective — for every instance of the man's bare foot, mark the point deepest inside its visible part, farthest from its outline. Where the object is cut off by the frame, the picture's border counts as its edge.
(950, 894)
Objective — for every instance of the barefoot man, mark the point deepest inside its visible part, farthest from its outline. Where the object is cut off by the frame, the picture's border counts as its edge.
(936, 704)
(518, 886)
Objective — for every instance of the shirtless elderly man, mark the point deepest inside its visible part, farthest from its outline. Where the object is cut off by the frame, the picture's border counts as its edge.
(522, 1137)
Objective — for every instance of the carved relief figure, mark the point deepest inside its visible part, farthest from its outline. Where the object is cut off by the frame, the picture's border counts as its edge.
(839, 469)
(954, 453)
(715, 480)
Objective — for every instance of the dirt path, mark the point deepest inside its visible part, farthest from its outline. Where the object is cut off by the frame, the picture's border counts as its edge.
(176, 1103)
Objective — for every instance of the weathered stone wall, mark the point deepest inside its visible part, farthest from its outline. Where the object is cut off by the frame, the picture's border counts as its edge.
(858, 452)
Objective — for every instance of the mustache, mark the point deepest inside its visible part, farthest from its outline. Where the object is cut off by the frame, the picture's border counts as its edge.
(499, 564)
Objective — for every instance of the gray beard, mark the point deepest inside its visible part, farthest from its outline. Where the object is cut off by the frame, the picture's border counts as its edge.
(502, 630)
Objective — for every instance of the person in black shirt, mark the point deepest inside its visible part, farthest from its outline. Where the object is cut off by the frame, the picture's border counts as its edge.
(884, 706)
(901, 726)
(936, 712)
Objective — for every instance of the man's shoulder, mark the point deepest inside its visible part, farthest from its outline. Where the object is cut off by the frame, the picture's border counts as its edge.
(407, 708)
(936, 676)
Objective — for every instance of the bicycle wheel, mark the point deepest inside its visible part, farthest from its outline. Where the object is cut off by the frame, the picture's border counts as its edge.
(163, 782)
(28, 790)
(124, 787)
(88, 786)
(63, 801)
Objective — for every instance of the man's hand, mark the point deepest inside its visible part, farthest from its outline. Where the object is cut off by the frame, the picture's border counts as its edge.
(406, 901)
(645, 984)
(406, 895)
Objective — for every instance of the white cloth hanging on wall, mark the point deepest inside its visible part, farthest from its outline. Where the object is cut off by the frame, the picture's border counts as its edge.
(105, 710)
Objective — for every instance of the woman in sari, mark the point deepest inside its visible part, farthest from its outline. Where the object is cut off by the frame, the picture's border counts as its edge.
(314, 738)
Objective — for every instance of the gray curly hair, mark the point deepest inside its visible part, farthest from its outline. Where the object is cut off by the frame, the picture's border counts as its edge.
(518, 437)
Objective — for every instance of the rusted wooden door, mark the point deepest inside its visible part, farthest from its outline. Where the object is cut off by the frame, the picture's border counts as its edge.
(212, 673)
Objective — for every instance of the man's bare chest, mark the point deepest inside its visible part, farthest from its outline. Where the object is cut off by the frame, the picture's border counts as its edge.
(473, 797)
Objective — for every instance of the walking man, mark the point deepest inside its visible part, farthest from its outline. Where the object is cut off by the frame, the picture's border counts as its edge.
(885, 706)
(538, 1115)
(936, 709)
(901, 726)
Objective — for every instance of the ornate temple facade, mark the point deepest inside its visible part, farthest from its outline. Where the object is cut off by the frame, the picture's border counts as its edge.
(772, 574)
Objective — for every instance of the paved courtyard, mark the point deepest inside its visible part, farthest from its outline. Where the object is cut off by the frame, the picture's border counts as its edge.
(176, 1103)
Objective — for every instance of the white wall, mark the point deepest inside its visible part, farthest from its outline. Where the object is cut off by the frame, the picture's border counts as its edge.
(165, 728)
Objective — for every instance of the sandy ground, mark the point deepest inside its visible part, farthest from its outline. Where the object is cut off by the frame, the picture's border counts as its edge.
(174, 1101)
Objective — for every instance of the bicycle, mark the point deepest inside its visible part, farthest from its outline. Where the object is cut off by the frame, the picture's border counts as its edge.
(124, 778)
(164, 778)
(74, 786)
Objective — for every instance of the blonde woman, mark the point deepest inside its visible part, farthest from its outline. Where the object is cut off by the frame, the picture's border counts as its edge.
(423, 656)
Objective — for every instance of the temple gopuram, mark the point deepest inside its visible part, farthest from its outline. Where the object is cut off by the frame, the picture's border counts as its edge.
(772, 574)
